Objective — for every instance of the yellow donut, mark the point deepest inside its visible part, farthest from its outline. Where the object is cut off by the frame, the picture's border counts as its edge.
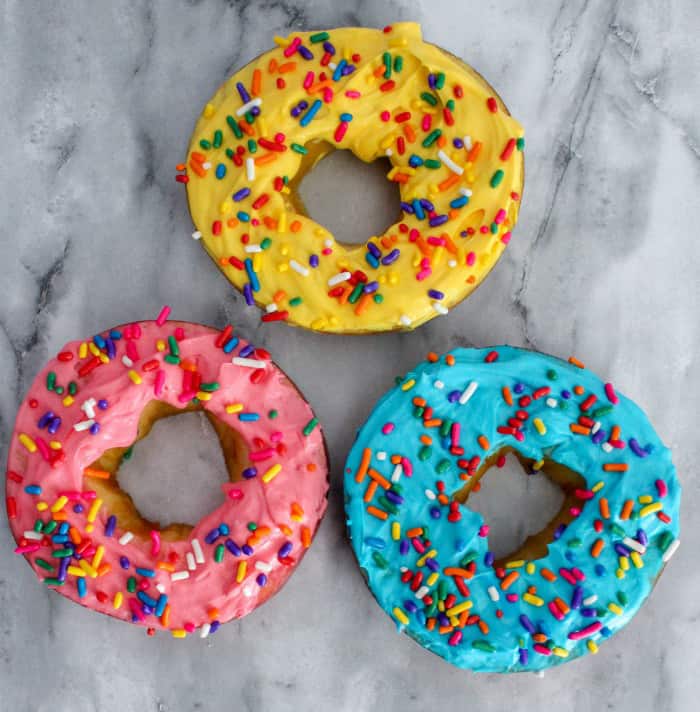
(455, 151)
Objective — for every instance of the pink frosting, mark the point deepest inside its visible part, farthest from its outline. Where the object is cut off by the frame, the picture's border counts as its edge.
(290, 504)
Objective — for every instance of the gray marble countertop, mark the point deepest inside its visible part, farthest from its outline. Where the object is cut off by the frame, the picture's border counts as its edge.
(98, 103)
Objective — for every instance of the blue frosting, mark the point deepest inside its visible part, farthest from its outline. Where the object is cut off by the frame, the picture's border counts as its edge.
(535, 619)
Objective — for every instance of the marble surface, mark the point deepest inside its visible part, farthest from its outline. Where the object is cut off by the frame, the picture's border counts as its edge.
(99, 100)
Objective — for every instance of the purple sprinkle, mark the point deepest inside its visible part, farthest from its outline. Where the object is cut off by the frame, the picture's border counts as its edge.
(622, 550)
(427, 205)
(247, 549)
(443, 619)
(249, 472)
(527, 624)
(566, 394)
(435, 294)
(54, 425)
(241, 194)
(246, 351)
(245, 97)
(233, 547)
(588, 612)
(407, 207)
(313, 261)
(63, 568)
(410, 606)
(373, 249)
(438, 220)
(111, 524)
(393, 497)
(458, 143)
(255, 111)
(46, 419)
(305, 52)
(102, 404)
(559, 531)
(285, 550)
(111, 348)
(577, 597)
(391, 257)
(489, 558)
(519, 387)
(212, 536)
(301, 106)
(215, 625)
(147, 610)
(522, 656)
(598, 436)
(431, 81)
(636, 448)
(261, 580)
(78, 508)
(370, 287)
(124, 562)
(347, 69)
(435, 512)
(453, 396)
(94, 429)
(328, 47)
(642, 537)
(403, 547)
(432, 564)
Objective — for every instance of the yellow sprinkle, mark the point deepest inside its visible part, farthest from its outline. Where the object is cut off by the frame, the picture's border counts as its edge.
(89, 570)
(179, 633)
(234, 408)
(398, 42)
(94, 509)
(135, 378)
(280, 41)
(68, 401)
(225, 208)
(620, 573)
(395, 531)
(76, 571)
(27, 442)
(650, 509)
(560, 652)
(539, 425)
(624, 563)
(93, 349)
(400, 616)
(204, 396)
(208, 110)
(160, 345)
(55, 445)
(42, 506)
(614, 608)
(118, 598)
(637, 559)
(103, 357)
(271, 473)
(82, 350)
(530, 568)
(533, 600)
(519, 563)
(598, 486)
(282, 222)
(536, 466)
(425, 557)
(408, 384)
(441, 606)
(592, 647)
(59, 504)
(645, 499)
(459, 608)
(241, 570)
(432, 578)
(97, 558)
(257, 262)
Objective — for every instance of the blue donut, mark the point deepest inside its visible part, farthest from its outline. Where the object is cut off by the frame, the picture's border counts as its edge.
(426, 555)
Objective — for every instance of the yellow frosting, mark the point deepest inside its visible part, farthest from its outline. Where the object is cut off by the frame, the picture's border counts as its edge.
(404, 99)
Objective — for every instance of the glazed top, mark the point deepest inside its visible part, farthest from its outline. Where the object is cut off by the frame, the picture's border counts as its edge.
(427, 557)
(456, 156)
(88, 399)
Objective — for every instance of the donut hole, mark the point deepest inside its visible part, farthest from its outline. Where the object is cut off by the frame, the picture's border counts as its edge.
(521, 505)
(351, 199)
(176, 475)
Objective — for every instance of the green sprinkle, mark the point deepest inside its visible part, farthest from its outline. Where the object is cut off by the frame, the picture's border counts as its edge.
(44, 564)
(398, 64)
(72, 388)
(443, 466)
(129, 452)
(309, 427)
(496, 178)
(389, 506)
(432, 137)
(219, 553)
(450, 104)
(622, 598)
(379, 560)
(440, 80)
(51, 381)
(169, 358)
(665, 540)
(218, 138)
(574, 543)
(378, 298)
(131, 584)
(206, 145)
(431, 609)
(386, 58)
(233, 124)
(59, 390)
(432, 163)
(494, 228)
(38, 526)
(174, 348)
(552, 374)
(603, 410)
(272, 414)
(265, 244)
(429, 98)
(442, 589)
(230, 153)
(249, 118)
(252, 526)
(295, 302)
(53, 582)
(209, 387)
(424, 453)
(298, 148)
(318, 37)
(62, 553)
(356, 293)
(617, 530)
(468, 558)
(483, 645)
(252, 145)
(520, 144)
(418, 411)
(50, 526)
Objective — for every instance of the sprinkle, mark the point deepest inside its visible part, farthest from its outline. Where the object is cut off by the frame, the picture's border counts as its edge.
(163, 315)
(198, 553)
(271, 473)
(468, 392)
(248, 362)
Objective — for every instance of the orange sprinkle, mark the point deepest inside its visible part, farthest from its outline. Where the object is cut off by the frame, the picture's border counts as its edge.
(455, 571)
(483, 442)
(74, 535)
(561, 605)
(369, 492)
(279, 295)
(509, 580)
(539, 638)
(441, 141)
(287, 67)
(615, 432)
(246, 128)
(379, 71)
(104, 569)
(165, 618)
(548, 575)
(579, 429)
(379, 478)
(483, 626)
(416, 531)
(432, 423)
(409, 133)
(364, 465)
(306, 537)
(597, 547)
(474, 152)
(604, 508)
(266, 158)
(575, 362)
(616, 467)
(257, 82)
(396, 459)
(343, 298)
(627, 509)
(448, 182)
(378, 513)
(165, 566)
(201, 172)
(401, 178)
(213, 613)
(272, 66)
(198, 157)
(432, 357)
(97, 474)
(420, 402)
(426, 439)
(463, 618)
(362, 304)
(295, 226)
(180, 167)
(232, 222)
(430, 624)
(443, 499)
(579, 390)
(444, 629)
(270, 223)
(507, 395)
(450, 360)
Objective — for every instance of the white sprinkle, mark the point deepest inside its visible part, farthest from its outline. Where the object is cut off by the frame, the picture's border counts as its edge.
(248, 362)
(388, 153)
(493, 593)
(196, 235)
(607, 447)
(403, 569)
(206, 165)
(405, 320)
(127, 361)
(253, 248)
(271, 307)
(328, 243)
(31, 534)
(422, 591)
(381, 456)
(440, 308)
(466, 192)
(634, 545)
(338, 278)
(204, 632)
(452, 263)
(396, 474)
(439, 385)
(430, 494)
(248, 106)
(198, 553)
(160, 588)
(190, 561)
(551, 402)
(250, 169)
(179, 575)
(303, 271)
(125, 538)
(467, 142)
(88, 407)
(332, 65)
(671, 550)
(468, 392)
(590, 600)
(263, 566)
(450, 163)
(595, 428)
(83, 425)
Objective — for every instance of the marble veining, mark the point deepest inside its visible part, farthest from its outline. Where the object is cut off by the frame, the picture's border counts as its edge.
(99, 100)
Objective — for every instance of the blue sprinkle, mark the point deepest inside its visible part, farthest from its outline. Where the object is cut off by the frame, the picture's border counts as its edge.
(146, 599)
(254, 283)
(115, 334)
(459, 202)
(243, 216)
(82, 587)
(111, 524)
(220, 171)
(489, 558)
(346, 117)
(147, 573)
(375, 542)
(231, 344)
(418, 209)
(372, 261)
(285, 550)
(308, 117)
(338, 72)
(32, 489)
(160, 605)
(248, 417)
(99, 341)
(223, 529)
(261, 580)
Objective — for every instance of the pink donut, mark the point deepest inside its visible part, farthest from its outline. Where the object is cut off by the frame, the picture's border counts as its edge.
(82, 414)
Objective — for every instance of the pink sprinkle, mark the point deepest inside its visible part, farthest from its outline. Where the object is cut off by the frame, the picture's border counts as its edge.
(128, 333)
(511, 597)
(43, 449)
(136, 329)
(484, 530)
(27, 548)
(155, 542)
(135, 608)
(308, 80)
(407, 466)
(585, 632)
(580, 576)
(388, 428)
(610, 393)
(413, 235)
(437, 241)
(567, 576)
(426, 122)
(471, 258)
(455, 638)
(262, 454)
(455, 434)
(483, 229)
(661, 488)
(179, 333)
(189, 627)
(541, 649)
(163, 316)
(505, 238)
(352, 94)
(418, 545)
(160, 382)
(291, 48)
(132, 351)
(554, 609)
(327, 95)
(88, 495)
(423, 274)
(276, 437)
(72, 495)
(186, 396)
(385, 116)
(236, 493)
(574, 511)
(500, 216)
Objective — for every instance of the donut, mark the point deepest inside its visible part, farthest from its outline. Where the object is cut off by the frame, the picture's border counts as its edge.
(83, 535)
(455, 154)
(425, 554)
